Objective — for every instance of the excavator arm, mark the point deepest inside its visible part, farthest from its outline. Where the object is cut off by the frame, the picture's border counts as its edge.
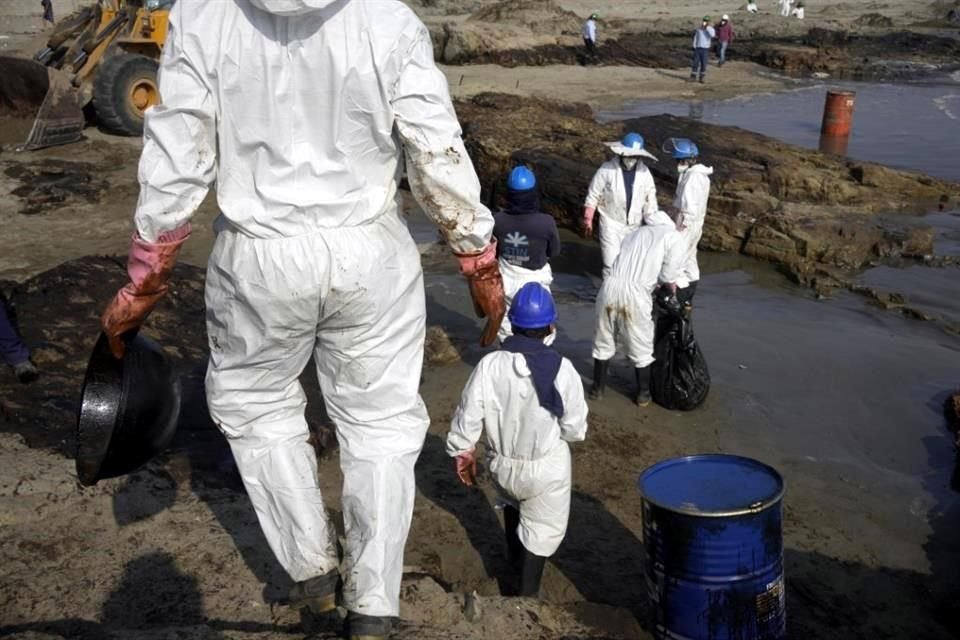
(106, 53)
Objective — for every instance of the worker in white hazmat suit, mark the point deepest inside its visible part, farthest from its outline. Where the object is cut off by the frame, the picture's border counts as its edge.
(529, 401)
(651, 255)
(621, 191)
(303, 112)
(526, 239)
(690, 209)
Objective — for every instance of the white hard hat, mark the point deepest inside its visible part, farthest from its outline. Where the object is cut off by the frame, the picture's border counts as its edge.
(725, 17)
(631, 146)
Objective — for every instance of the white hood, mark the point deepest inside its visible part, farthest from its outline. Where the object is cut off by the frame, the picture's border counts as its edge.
(657, 218)
(292, 7)
(699, 168)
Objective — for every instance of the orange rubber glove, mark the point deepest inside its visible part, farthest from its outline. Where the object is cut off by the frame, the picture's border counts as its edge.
(486, 288)
(149, 265)
(467, 467)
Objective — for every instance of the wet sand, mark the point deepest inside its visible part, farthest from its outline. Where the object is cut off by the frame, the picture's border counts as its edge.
(609, 87)
(842, 397)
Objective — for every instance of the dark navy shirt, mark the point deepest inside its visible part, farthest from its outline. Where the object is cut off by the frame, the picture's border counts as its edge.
(526, 240)
(629, 177)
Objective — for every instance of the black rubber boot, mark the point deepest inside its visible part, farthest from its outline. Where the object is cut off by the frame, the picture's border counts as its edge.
(531, 575)
(363, 627)
(511, 520)
(26, 371)
(599, 378)
(643, 386)
(318, 594)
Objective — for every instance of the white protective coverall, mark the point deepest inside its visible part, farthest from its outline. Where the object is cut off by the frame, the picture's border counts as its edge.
(693, 191)
(608, 195)
(590, 30)
(527, 451)
(651, 254)
(513, 280)
(301, 111)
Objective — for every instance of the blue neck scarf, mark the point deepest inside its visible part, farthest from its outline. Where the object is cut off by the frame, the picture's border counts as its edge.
(520, 202)
(544, 363)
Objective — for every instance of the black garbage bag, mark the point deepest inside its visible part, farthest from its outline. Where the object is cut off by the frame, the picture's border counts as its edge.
(679, 378)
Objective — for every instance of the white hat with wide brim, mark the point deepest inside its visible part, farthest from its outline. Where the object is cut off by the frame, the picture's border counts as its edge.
(631, 152)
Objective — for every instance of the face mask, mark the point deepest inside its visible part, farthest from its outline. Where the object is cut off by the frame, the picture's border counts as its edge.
(683, 166)
(628, 163)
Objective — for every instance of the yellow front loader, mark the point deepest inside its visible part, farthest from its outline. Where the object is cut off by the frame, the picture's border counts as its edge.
(104, 56)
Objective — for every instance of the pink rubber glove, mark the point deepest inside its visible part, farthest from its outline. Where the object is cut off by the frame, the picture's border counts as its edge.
(467, 467)
(486, 288)
(149, 265)
(588, 221)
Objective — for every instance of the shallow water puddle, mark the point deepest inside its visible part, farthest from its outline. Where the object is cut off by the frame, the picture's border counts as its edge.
(907, 126)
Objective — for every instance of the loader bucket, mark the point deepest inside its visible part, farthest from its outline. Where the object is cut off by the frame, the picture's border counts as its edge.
(39, 107)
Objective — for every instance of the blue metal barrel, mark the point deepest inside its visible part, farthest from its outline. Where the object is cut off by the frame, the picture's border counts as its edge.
(713, 537)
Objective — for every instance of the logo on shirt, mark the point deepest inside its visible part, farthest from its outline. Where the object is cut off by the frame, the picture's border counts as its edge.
(516, 249)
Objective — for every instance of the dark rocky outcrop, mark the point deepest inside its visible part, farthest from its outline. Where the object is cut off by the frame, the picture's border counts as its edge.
(874, 19)
(467, 43)
(842, 53)
(540, 16)
(539, 32)
(810, 213)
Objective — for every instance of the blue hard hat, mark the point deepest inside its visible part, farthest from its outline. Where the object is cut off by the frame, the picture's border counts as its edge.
(521, 179)
(633, 141)
(532, 307)
(684, 148)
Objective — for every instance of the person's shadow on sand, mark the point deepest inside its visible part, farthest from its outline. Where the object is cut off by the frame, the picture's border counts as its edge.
(438, 483)
(152, 594)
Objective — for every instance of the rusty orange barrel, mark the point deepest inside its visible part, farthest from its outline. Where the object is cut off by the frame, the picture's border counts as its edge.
(837, 145)
(838, 113)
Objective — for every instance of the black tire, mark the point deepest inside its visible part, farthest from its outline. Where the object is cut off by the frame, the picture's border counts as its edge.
(125, 85)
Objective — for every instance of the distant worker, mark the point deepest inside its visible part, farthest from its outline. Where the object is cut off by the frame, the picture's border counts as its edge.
(690, 207)
(651, 255)
(622, 192)
(47, 6)
(798, 10)
(13, 351)
(312, 261)
(702, 38)
(725, 35)
(529, 401)
(590, 34)
(752, 6)
(784, 6)
(526, 239)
